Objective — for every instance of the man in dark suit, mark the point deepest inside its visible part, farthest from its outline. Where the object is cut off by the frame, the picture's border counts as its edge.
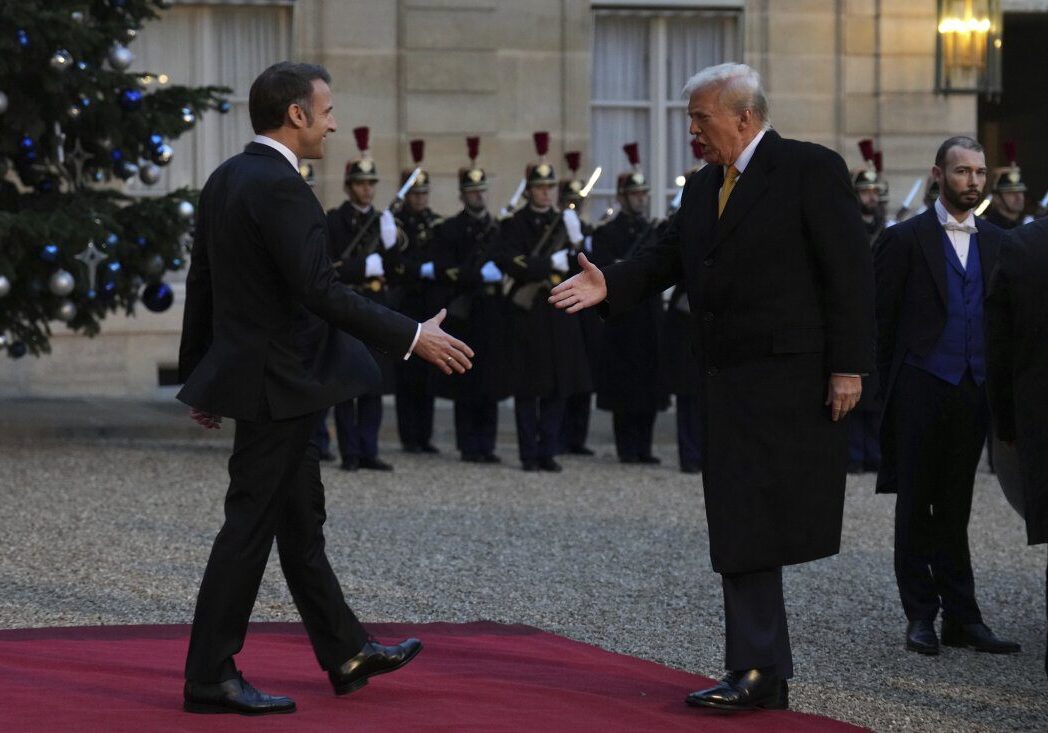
(931, 273)
(258, 261)
(771, 248)
(1017, 366)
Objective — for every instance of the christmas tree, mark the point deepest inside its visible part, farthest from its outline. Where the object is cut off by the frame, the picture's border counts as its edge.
(74, 124)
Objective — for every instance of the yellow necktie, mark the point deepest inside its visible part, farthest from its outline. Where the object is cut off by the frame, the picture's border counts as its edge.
(730, 176)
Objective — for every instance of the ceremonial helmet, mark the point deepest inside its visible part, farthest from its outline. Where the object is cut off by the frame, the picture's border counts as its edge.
(633, 180)
(421, 184)
(362, 168)
(866, 177)
(472, 178)
(1009, 179)
(571, 187)
(540, 173)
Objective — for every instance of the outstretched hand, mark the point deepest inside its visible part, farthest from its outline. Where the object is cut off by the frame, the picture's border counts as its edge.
(446, 352)
(207, 420)
(584, 290)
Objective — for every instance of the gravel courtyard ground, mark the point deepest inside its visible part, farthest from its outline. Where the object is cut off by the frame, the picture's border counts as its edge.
(110, 508)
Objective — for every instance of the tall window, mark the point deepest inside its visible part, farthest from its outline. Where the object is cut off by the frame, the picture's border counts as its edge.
(217, 43)
(641, 59)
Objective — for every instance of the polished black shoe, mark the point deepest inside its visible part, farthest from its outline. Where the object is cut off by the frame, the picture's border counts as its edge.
(489, 458)
(921, 638)
(410, 448)
(690, 468)
(977, 636)
(232, 696)
(350, 464)
(580, 450)
(649, 460)
(374, 464)
(371, 660)
(548, 464)
(530, 465)
(429, 448)
(744, 691)
(629, 459)
(472, 458)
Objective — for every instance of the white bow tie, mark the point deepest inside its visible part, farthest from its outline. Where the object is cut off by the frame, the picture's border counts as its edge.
(957, 226)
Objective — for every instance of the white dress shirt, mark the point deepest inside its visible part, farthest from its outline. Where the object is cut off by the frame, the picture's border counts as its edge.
(747, 153)
(961, 240)
(293, 160)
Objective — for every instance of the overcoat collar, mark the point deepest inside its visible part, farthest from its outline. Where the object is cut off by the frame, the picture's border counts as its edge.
(748, 189)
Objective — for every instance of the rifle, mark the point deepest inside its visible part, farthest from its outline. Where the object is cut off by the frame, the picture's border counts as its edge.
(514, 199)
(373, 216)
(461, 304)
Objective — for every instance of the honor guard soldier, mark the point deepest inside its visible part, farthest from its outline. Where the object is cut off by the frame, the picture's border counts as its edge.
(678, 364)
(363, 244)
(416, 296)
(864, 445)
(628, 382)
(1009, 193)
(575, 427)
(549, 359)
(464, 261)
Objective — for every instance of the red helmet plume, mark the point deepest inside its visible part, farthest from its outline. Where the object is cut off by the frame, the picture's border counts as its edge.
(541, 143)
(473, 147)
(574, 158)
(418, 148)
(362, 134)
(632, 153)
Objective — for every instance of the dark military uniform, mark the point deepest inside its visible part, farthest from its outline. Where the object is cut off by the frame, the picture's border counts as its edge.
(679, 376)
(420, 299)
(549, 358)
(357, 421)
(628, 383)
(477, 314)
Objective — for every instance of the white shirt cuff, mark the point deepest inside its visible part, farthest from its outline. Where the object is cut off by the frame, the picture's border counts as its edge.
(418, 332)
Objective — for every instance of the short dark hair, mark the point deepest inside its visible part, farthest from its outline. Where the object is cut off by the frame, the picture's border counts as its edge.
(277, 88)
(957, 141)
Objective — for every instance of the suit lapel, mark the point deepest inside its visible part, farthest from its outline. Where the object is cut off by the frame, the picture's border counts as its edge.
(750, 187)
(929, 236)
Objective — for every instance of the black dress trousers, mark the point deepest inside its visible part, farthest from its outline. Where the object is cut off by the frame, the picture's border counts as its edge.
(274, 493)
(940, 430)
(756, 632)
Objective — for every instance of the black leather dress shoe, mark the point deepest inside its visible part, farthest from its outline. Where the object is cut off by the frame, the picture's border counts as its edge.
(977, 636)
(371, 660)
(649, 460)
(548, 464)
(472, 458)
(580, 450)
(374, 464)
(410, 448)
(921, 638)
(629, 459)
(744, 691)
(232, 696)
(350, 464)
(429, 448)
(489, 458)
(530, 465)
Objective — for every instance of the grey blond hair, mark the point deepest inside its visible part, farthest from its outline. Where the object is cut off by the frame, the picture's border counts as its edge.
(740, 88)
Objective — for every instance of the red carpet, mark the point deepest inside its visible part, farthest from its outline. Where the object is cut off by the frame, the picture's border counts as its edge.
(469, 677)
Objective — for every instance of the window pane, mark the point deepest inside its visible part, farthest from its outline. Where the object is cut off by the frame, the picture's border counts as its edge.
(620, 58)
(695, 42)
(612, 128)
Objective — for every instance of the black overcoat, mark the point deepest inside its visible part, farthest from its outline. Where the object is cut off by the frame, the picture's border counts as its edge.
(1017, 361)
(549, 355)
(679, 370)
(344, 223)
(781, 289)
(628, 378)
(477, 313)
(259, 258)
(910, 269)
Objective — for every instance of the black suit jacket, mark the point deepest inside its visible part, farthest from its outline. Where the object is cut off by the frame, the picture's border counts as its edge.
(1017, 362)
(259, 259)
(910, 267)
(781, 294)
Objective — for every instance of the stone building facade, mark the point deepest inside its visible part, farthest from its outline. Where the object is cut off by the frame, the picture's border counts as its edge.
(836, 71)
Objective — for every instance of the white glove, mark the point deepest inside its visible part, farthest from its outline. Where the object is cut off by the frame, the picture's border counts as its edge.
(572, 225)
(387, 229)
(490, 272)
(587, 245)
(559, 260)
(426, 271)
(373, 266)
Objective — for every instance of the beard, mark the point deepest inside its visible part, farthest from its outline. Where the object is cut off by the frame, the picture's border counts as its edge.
(959, 198)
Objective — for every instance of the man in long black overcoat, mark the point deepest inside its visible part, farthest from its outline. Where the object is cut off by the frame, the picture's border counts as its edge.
(771, 248)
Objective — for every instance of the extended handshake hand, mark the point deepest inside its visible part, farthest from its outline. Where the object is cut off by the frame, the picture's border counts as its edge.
(438, 348)
(584, 290)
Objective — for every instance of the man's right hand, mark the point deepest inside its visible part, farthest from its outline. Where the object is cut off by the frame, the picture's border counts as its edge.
(206, 419)
(438, 348)
(584, 290)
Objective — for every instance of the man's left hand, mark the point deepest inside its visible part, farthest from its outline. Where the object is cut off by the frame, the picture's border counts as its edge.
(206, 419)
(843, 394)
